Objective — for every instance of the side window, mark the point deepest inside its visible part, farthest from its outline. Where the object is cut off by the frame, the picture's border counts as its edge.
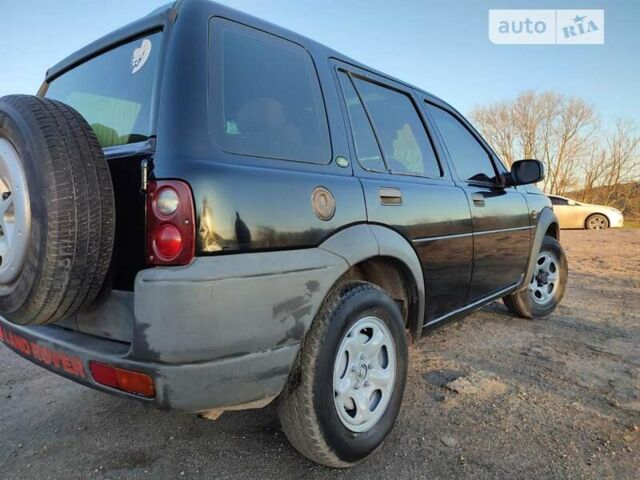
(404, 141)
(470, 159)
(266, 99)
(367, 149)
(559, 201)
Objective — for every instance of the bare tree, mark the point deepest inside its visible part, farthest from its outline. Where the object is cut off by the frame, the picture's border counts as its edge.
(497, 125)
(553, 128)
(592, 164)
(623, 159)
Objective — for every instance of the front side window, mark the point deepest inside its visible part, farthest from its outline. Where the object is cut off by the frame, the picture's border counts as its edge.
(406, 146)
(113, 91)
(470, 159)
(266, 99)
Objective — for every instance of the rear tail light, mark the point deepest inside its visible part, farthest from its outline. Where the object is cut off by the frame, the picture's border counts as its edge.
(167, 241)
(170, 223)
(122, 379)
(167, 201)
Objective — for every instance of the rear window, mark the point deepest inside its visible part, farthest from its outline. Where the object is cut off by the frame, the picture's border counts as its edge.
(113, 91)
(406, 146)
(266, 99)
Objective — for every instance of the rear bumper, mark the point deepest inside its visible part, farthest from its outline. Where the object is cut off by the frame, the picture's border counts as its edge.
(188, 387)
(221, 332)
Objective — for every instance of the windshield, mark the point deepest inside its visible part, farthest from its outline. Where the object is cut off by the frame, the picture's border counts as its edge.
(113, 91)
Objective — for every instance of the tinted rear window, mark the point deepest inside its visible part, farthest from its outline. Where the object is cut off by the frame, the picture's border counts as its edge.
(406, 146)
(113, 91)
(266, 96)
(364, 139)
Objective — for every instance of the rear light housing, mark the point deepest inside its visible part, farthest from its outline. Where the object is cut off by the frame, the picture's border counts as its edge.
(170, 223)
(121, 379)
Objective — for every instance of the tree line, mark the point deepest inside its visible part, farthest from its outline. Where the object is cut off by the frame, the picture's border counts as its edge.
(580, 156)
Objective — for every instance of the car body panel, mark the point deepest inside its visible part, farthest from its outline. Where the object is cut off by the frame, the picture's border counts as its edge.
(500, 217)
(441, 236)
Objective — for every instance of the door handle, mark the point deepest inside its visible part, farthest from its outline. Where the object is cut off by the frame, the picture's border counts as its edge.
(390, 196)
(478, 199)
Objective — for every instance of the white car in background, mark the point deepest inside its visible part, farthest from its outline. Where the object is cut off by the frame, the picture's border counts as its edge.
(572, 214)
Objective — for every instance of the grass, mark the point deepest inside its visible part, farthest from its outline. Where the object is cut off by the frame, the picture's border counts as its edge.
(632, 224)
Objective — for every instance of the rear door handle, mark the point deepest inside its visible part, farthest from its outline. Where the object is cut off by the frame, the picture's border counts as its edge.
(478, 199)
(390, 196)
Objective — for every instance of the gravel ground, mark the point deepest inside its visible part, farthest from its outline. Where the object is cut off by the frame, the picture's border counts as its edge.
(491, 396)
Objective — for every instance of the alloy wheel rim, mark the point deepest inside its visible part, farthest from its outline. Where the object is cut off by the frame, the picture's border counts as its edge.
(546, 278)
(364, 374)
(15, 213)
(597, 222)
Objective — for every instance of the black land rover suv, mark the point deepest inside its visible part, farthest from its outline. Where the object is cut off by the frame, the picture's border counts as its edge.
(206, 212)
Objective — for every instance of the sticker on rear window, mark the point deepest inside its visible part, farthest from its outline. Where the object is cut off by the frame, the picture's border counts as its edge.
(140, 55)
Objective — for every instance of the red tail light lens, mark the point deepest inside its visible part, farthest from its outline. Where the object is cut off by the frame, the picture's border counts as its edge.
(167, 241)
(121, 379)
(170, 223)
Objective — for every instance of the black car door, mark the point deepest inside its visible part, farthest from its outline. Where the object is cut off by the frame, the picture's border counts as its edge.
(406, 186)
(501, 222)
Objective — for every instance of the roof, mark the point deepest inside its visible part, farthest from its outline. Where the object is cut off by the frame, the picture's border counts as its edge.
(169, 13)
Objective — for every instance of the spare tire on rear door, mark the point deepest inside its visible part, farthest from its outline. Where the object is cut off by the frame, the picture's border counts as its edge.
(57, 213)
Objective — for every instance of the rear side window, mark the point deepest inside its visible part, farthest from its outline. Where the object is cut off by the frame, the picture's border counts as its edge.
(406, 146)
(470, 159)
(113, 91)
(266, 99)
(367, 150)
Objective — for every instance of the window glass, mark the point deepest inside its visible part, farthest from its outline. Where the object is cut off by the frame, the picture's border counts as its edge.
(113, 91)
(367, 149)
(559, 201)
(469, 158)
(267, 99)
(406, 146)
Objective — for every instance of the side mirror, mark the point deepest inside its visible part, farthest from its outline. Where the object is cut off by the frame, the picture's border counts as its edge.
(524, 172)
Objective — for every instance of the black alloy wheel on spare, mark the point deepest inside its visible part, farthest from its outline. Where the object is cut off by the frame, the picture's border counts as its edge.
(57, 211)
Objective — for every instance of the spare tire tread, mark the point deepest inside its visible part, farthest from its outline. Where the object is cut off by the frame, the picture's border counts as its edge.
(79, 248)
(102, 207)
(85, 175)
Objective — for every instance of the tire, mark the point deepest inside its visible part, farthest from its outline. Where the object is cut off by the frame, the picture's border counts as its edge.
(596, 221)
(308, 407)
(531, 302)
(54, 174)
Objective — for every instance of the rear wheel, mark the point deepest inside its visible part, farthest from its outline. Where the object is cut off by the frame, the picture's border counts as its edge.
(57, 213)
(344, 394)
(546, 286)
(597, 221)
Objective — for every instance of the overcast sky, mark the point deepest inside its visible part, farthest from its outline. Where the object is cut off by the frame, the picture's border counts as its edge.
(441, 46)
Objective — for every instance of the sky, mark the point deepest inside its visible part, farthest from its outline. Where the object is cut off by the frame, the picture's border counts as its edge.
(441, 46)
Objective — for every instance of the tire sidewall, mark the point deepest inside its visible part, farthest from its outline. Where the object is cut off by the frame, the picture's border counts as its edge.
(15, 130)
(351, 446)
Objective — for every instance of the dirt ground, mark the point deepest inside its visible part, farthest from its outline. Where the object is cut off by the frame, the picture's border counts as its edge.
(491, 396)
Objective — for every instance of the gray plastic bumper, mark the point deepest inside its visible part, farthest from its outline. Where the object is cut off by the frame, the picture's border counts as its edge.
(223, 331)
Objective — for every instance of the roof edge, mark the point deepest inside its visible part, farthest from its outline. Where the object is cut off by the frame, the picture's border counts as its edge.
(154, 21)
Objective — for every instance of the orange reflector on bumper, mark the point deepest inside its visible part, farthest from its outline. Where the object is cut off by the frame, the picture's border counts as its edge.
(121, 379)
